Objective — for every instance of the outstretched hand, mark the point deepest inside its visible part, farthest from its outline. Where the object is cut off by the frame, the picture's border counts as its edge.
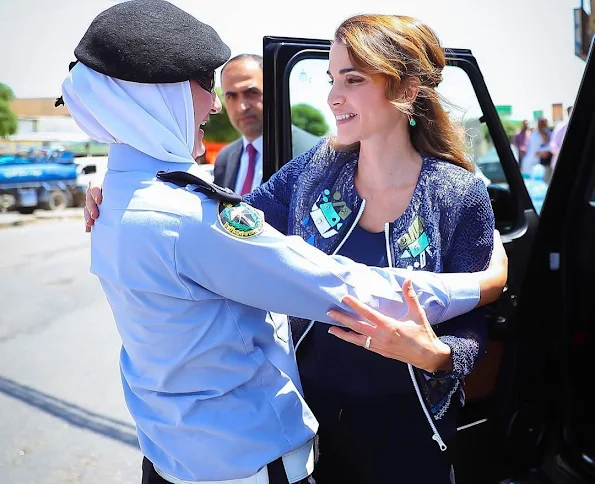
(411, 340)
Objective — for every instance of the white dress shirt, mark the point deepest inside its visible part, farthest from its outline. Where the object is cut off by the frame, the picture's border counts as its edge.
(243, 170)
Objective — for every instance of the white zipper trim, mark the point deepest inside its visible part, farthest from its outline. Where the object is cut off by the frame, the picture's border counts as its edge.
(389, 256)
(359, 215)
(435, 434)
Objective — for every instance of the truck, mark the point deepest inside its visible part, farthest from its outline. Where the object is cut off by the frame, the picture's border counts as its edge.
(90, 171)
(38, 180)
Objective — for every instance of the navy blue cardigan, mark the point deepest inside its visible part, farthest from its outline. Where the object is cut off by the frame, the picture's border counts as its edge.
(447, 227)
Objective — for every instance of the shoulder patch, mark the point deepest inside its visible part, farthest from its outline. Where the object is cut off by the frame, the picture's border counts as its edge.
(240, 220)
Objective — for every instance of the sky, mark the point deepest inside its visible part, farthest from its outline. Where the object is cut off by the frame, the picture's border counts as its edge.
(525, 48)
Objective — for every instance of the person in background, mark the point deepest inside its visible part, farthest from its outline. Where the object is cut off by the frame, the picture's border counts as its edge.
(239, 165)
(557, 138)
(537, 142)
(544, 154)
(521, 138)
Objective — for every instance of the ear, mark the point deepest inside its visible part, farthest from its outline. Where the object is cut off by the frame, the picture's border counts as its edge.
(411, 85)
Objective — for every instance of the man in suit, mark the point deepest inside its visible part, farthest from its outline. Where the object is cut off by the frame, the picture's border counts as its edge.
(238, 166)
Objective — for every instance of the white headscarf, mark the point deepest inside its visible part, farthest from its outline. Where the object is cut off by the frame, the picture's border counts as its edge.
(156, 119)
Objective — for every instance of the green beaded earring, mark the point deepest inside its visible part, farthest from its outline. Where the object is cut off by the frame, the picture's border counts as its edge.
(412, 122)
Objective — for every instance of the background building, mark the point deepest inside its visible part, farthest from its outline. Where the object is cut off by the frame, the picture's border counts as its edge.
(42, 124)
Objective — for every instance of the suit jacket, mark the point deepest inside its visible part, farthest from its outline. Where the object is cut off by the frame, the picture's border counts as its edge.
(227, 164)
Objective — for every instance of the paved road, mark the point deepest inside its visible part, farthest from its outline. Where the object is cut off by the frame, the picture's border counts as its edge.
(62, 414)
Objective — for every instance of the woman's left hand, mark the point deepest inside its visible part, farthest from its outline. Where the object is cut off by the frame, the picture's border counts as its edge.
(410, 340)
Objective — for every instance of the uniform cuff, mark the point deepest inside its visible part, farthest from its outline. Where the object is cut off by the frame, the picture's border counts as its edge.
(464, 292)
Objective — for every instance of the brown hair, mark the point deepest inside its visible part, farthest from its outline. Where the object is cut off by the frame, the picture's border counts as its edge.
(398, 49)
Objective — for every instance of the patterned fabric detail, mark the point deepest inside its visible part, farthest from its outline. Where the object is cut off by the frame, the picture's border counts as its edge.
(467, 337)
(327, 170)
(439, 410)
(447, 227)
(465, 351)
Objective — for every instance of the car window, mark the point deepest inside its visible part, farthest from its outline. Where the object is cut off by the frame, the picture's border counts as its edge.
(460, 101)
(311, 118)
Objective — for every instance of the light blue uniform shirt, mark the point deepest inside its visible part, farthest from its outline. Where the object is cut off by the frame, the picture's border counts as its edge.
(210, 381)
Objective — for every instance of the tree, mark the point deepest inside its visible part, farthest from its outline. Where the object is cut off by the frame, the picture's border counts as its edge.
(510, 127)
(8, 119)
(219, 128)
(309, 119)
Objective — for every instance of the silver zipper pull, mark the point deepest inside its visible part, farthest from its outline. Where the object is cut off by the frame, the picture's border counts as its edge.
(440, 442)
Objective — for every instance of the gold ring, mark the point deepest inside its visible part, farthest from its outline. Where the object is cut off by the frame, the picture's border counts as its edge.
(368, 341)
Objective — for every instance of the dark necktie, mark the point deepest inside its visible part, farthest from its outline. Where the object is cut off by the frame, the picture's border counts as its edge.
(247, 186)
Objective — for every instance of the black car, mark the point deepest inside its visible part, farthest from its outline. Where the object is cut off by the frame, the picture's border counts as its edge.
(527, 416)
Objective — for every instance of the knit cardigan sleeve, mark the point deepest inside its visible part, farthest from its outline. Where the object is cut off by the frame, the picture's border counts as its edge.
(469, 250)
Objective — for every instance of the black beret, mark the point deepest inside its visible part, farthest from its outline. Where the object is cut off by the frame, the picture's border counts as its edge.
(151, 41)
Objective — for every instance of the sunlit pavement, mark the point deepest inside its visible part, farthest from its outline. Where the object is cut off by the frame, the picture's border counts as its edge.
(62, 413)
(15, 219)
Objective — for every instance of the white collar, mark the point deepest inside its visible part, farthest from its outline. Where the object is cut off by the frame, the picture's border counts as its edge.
(257, 143)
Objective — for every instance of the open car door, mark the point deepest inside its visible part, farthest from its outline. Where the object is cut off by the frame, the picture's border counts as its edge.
(556, 300)
(507, 425)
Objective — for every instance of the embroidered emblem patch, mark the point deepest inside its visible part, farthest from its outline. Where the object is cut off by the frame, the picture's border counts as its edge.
(415, 243)
(328, 214)
(240, 220)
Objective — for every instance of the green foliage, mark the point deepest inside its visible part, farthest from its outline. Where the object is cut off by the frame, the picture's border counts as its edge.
(219, 128)
(510, 127)
(6, 93)
(309, 119)
(8, 120)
